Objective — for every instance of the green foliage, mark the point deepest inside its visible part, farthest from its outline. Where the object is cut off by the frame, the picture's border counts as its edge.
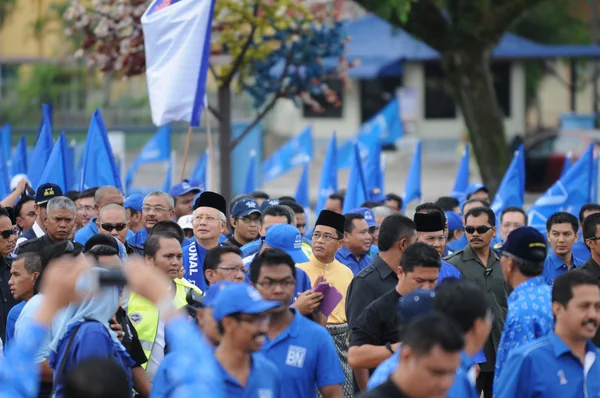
(6, 7)
(392, 9)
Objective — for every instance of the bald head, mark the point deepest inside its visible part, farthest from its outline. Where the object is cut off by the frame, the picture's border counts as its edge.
(112, 208)
(108, 195)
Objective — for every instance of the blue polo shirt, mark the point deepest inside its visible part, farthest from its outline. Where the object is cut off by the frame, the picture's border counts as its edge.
(464, 382)
(458, 244)
(306, 357)
(140, 237)
(264, 380)
(555, 267)
(85, 233)
(580, 250)
(11, 320)
(448, 270)
(547, 368)
(345, 256)
(193, 263)
(251, 248)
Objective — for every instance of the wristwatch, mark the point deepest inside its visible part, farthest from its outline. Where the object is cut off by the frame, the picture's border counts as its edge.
(389, 347)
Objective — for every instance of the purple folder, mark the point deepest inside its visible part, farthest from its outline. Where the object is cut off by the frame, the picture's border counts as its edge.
(331, 299)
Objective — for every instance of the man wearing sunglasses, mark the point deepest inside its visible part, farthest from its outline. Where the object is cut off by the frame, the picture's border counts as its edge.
(8, 237)
(478, 263)
(242, 320)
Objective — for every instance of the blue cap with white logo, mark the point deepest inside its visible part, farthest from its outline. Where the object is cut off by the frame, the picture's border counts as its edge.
(287, 238)
(134, 201)
(244, 207)
(240, 298)
(213, 292)
(267, 203)
(182, 188)
(368, 214)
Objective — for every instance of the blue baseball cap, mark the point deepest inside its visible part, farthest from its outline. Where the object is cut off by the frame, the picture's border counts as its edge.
(416, 303)
(135, 202)
(526, 243)
(182, 188)
(213, 292)
(454, 221)
(287, 238)
(375, 195)
(240, 298)
(267, 203)
(244, 207)
(476, 187)
(368, 214)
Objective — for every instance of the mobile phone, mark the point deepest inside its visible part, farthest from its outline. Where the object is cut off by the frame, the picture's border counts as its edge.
(322, 287)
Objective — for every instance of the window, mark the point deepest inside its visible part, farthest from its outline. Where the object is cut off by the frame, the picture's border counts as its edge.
(375, 94)
(329, 110)
(501, 73)
(439, 103)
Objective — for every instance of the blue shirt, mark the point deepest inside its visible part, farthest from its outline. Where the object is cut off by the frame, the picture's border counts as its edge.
(140, 237)
(464, 382)
(306, 357)
(85, 233)
(251, 248)
(547, 368)
(263, 381)
(345, 256)
(302, 280)
(190, 369)
(193, 263)
(459, 243)
(19, 372)
(13, 315)
(448, 270)
(554, 267)
(529, 317)
(580, 250)
(91, 340)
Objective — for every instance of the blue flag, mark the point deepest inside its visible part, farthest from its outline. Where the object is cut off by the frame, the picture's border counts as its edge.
(461, 183)
(568, 194)
(70, 164)
(19, 159)
(167, 184)
(46, 119)
(302, 192)
(199, 173)
(356, 190)
(567, 165)
(594, 193)
(157, 149)
(374, 175)
(250, 185)
(329, 180)
(98, 164)
(294, 153)
(56, 169)
(511, 191)
(368, 137)
(6, 132)
(4, 178)
(41, 154)
(412, 188)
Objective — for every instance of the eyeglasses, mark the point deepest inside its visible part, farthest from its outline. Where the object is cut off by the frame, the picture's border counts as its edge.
(254, 319)
(270, 283)
(248, 220)
(109, 227)
(85, 208)
(156, 209)
(206, 217)
(593, 238)
(482, 229)
(232, 270)
(7, 234)
(326, 237)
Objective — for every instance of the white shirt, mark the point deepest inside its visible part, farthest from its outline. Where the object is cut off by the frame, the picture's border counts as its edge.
(158, 352)
(37, 230)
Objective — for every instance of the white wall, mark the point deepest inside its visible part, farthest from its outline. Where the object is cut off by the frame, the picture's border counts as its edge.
(286, 119)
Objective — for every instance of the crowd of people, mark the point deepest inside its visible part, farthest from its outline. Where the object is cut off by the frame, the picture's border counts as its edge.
(184, 293)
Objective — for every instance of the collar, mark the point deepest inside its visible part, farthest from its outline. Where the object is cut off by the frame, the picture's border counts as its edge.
(93, 226)
(557, 262)
(469, 254)
(383, 268)
(560, 348)
(318, 264)
(528, 284)
(293, 330)
(37, 230)
(345, 253)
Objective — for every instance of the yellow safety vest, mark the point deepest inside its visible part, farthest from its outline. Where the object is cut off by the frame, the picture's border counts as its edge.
(144, 314)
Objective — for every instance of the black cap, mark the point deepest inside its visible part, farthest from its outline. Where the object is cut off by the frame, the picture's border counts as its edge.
(429, 222)
(211, 199)
(45, 192)
(526, 243)
(331, 219)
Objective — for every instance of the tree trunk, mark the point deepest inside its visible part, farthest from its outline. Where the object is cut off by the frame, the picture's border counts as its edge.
(224, 99)
(470, 77)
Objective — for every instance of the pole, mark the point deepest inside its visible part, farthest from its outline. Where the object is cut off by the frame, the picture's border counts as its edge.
(211, 154)
(186, 151)
(224, 95)
(594, 13)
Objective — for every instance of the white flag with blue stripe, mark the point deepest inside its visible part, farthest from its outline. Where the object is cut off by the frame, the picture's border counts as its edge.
(177, 45)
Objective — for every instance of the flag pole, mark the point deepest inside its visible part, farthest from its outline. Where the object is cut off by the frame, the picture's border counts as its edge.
(211, 153)
(186, 151)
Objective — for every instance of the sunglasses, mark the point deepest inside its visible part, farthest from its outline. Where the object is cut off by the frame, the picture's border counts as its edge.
(482, 229)
(6, 234)
(109, 227)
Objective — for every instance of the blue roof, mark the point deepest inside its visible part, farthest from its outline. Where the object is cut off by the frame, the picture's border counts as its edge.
(381, 48)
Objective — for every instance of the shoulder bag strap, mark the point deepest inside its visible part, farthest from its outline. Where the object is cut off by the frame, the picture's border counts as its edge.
(63, 361)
